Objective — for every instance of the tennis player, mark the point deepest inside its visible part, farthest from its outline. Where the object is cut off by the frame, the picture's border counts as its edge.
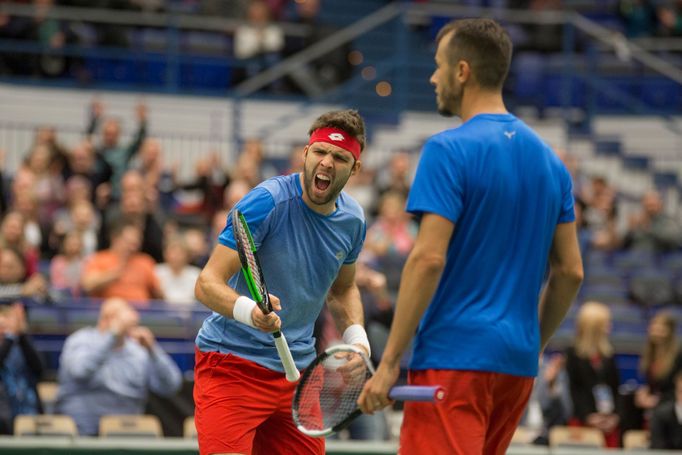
(494, 203)
(308, 235)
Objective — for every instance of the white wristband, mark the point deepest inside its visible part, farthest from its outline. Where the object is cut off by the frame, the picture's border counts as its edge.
(243, 307)
(355, 334)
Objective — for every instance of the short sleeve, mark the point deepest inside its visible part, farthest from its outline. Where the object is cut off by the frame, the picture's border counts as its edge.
(438, 185)
(355, 252)
(255, 206)
(567, 214)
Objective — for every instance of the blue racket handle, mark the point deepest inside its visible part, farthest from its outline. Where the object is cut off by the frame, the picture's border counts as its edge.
(417, 393)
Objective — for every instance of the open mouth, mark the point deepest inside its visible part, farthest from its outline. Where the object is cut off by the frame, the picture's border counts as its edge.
(322, 182)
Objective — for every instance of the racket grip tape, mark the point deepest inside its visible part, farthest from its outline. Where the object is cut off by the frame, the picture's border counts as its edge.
(417, 393)
(292, 373)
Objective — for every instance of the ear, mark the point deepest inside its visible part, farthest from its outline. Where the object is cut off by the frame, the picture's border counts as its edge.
(356, 167)
(305, 151)
(462, 71)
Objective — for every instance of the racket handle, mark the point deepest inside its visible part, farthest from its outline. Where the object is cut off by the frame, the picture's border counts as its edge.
(290, 369)
(417, 393)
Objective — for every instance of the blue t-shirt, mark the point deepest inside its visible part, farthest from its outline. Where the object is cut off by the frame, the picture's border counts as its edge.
(301, 253)
(506, 191)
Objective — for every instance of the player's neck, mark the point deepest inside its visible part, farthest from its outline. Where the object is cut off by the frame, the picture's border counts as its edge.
(477, 101)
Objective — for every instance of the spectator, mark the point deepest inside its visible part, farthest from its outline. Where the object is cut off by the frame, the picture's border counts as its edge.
(661, 361)
(135, 208)
(258, 41)
(66, 268)
(48, 189)
(110, 153)
(20, 368)
(176, 275)
(111, 368)
(121, 270)
(670, 17)
(197, 245)
(396, 177)
(651, 229)
(324, 72)
(639, 17)
(14, 281)
(236, 190)
(82, 162)
(666, 423)
(13, 234)
(390, 237)
(550, 402)
(593, 375)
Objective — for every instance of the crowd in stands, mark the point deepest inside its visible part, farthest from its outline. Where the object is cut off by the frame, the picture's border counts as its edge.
(105, 219)
(259, 38)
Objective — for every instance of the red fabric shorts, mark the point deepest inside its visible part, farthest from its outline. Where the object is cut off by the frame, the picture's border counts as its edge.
(478, 416)
(242, 407)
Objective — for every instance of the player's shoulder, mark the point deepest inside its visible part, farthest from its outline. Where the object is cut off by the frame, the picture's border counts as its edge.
(280, 188)
(348, 205)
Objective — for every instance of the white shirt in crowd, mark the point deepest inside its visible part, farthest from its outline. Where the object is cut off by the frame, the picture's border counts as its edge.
(178, 289)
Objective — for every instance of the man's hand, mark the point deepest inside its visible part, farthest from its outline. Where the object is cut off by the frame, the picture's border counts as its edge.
(374, 396)
(144, 336)
(267, 322)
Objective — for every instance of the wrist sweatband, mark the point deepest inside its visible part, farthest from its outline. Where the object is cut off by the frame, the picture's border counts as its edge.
(241, 312)
(355, 334)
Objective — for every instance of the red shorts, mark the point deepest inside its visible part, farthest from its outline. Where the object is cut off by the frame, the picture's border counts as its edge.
(478, 416)
(242, 407)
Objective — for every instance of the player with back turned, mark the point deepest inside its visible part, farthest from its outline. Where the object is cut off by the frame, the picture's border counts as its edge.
(494, 204)
(308, 234)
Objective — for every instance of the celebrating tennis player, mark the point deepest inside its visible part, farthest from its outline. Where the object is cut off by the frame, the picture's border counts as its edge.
(307, 235)
(494, 204)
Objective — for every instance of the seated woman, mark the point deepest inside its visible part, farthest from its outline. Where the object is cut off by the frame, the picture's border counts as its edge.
(660, 362)
(593, 375)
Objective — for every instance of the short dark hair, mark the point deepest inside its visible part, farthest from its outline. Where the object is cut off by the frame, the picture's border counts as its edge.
(484, 44)
(348, 120)
(117, 226)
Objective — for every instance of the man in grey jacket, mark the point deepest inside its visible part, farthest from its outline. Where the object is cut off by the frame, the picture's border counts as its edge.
(110, 369)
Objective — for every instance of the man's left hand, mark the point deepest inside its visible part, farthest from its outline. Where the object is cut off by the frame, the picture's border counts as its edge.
(374, 396)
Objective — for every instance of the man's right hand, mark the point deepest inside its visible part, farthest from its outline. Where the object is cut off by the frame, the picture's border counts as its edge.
(267, 322)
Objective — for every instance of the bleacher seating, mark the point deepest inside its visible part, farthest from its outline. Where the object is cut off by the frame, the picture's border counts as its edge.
(127, 426)
(44, 425)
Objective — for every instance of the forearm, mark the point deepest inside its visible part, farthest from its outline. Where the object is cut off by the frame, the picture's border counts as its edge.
(554, 304)
(85, 358)
(418, 284)
(31, 355)
(95, 281)
(166, 376)
(215, 294)
(346, 308)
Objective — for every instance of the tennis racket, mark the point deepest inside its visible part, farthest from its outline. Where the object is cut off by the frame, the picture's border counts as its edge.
(326, 397)
(253, 274)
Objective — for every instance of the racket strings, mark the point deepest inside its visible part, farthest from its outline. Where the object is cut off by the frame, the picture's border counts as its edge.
(248, 253)
(330, 394)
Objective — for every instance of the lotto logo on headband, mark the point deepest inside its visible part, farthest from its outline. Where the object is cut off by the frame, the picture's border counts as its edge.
(338, 138)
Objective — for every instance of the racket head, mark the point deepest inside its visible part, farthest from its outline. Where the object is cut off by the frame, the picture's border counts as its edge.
(326, 397)
(251, 269)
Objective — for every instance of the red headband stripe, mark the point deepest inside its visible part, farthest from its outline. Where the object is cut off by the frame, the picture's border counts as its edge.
(338, 137)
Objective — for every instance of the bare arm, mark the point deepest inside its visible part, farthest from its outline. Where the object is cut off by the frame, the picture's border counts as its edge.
(95, 280)
(211, 288)
(344, 301)
(565, 277)
(419, 280)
